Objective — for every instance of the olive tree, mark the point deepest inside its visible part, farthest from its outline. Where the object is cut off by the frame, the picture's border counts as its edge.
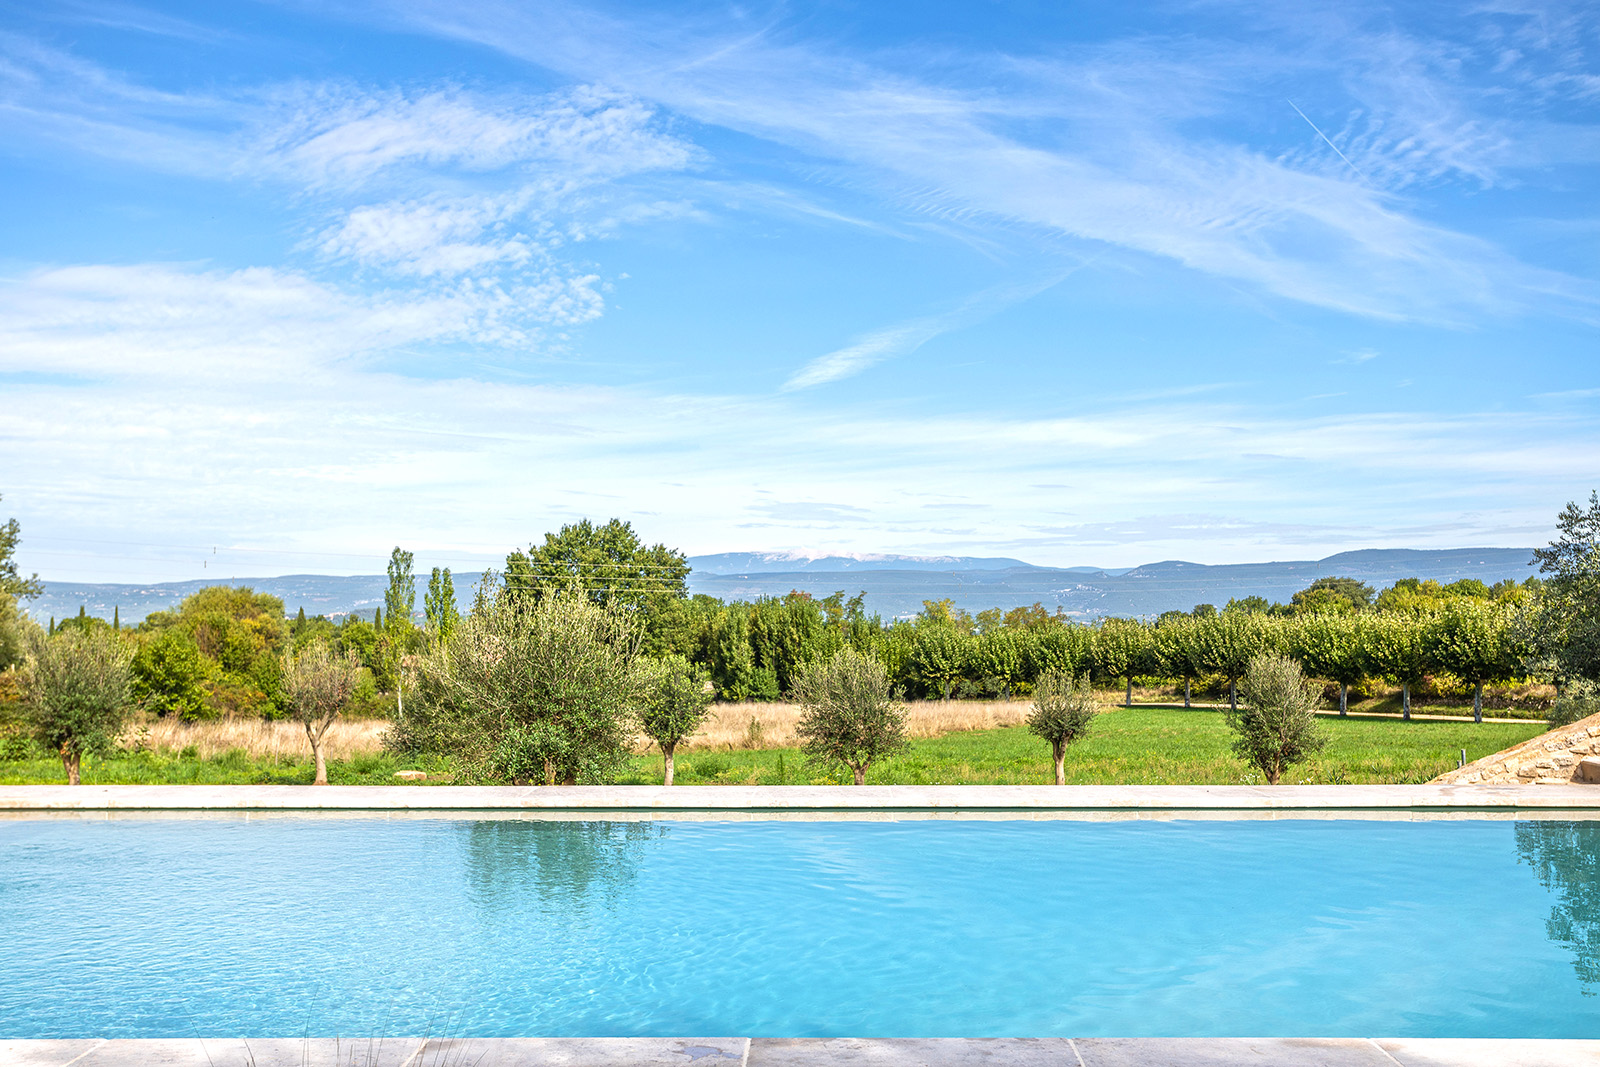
(1063, 709)
(317, 686)
(850, 714)
(530, 690)
(673, 706)
(1277, 727)
(76, 693)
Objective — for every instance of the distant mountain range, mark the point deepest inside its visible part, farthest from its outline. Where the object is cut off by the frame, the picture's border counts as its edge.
(894, 585)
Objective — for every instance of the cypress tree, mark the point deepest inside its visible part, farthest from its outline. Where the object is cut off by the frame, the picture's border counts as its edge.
(377, 618)
(300, 621)
(52, 630)
(116, 617)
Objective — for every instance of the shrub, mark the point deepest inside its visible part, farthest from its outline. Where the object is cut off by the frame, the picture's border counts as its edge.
(1570, 708)
(169, 676)
(851, 716)
(76, 697)
(540, 691)
(1277, 726)
(674, 705)
(1063, 709)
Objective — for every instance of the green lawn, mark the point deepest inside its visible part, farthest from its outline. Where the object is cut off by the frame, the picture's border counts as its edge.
(1137, 746)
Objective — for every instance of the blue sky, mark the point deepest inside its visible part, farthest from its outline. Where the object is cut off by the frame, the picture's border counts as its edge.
(285, 284)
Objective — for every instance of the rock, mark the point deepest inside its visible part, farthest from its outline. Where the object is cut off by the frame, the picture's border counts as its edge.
(1588, 771)
(411, 776)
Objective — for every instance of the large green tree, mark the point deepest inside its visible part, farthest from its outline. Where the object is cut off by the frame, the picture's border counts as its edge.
(1566, 611)
(1472, 639)
(1328, 645)
(12, 581)
(400, 596)
(1122, 650)
(1398, 647)
(170, 675)
(609, 564)
(439, 604)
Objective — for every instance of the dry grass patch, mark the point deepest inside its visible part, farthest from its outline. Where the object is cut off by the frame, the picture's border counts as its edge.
(260, 739)
(771, 725)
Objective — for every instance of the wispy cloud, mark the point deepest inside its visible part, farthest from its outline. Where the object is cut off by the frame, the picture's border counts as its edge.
(1119, 167)
(220, 402)
(906, 337)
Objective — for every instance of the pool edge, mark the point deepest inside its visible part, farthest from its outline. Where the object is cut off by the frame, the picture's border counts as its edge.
(782, 800)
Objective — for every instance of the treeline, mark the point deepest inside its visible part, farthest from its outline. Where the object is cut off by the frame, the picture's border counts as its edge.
(221, 652)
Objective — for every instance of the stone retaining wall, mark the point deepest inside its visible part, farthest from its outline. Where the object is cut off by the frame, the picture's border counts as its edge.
(1561, 757)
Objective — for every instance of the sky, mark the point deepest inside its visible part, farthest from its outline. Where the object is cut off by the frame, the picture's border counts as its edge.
(284, 285)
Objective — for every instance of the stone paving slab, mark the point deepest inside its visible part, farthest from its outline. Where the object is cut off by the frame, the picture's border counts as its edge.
(801, 799)
(1224, 1052)
(807, 1052)
(1453, 1052)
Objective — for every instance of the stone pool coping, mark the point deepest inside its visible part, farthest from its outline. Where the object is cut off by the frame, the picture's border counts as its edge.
(1015, 801)
(804, 1052)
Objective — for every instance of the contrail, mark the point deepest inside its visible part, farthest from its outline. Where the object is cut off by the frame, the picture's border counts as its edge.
(1324, 137)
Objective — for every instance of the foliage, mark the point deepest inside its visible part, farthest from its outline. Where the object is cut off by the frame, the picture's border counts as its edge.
(170, 676)
(1566, 613)
(12, 582)
(76, 697)
(317, 685)
(1123, 648)
(439, 604)
(851, 716)
(1063, 709)
(540, 690)
(1340, 596)
(1570, 707)
(938, 656)
(14, 627)
(400, 596)
(609, 564)
(673, 706)
(1277, 727)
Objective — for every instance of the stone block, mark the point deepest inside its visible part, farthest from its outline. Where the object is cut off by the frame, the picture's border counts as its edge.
(912, 1052)
(411, 776)
(1588, 771)
(1490, 1052)
(1231, 1052)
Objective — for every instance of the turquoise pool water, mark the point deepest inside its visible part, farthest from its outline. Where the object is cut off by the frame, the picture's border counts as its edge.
(283, 927)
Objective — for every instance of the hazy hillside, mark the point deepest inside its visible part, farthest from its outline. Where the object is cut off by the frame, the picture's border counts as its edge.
(895, 585)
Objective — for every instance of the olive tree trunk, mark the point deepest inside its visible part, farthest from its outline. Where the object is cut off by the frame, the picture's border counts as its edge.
(314, 734)
(1405, 701)
(1186, 692)
(1128, 700)
(1477, 703)
(1344, 698)
(1060, 755)
(72, 762)
(667, 752)
(861, 773)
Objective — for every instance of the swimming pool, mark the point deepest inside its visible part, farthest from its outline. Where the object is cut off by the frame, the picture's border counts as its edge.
(290, 926)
